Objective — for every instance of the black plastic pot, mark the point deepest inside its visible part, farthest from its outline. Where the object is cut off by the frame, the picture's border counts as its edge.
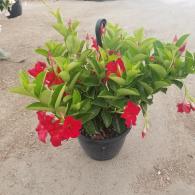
(103, 149)
(16, 9)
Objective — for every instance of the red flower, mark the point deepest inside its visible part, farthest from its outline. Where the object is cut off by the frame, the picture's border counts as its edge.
(45, 123)
(113, 52)
(184, 107)
(58, 132)
(94, 44)
(152, 58)
(182, 48)
(71, 127)
(116, 67)
(52, 79)
(39, 67)
(42, 132)
(130, 114)
(144, 132)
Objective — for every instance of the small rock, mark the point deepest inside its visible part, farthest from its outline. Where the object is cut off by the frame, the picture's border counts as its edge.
(168, 178)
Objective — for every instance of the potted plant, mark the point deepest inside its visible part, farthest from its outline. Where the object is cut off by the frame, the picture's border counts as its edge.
(96, 91)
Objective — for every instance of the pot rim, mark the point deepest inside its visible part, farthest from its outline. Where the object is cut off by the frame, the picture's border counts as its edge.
(107, 139)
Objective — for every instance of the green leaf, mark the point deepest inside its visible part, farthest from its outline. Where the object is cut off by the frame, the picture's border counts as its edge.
(90, 115)
(178, 83)
(182, 40)
(74, 25)
(147, 87)
(139, 34)
(58, 16)
(129, 91)
(39, 83)
(91, 81)
(160, 84)
(65, 76)
(94, 65)
(39, 106)
(159, 70)
(45, 97)
(61, 29)
(67, 98)
(42, 52)
(60, 96)
(74, 80)
(86, 105)
(107, 118)
(24, 80)
(21, 91)
(73, 65)
(76, 97)
(100, 102)
(62, 110)
(118, 80)
(118, 124)
(73, 44)
(139, 57)
(56, 94)
(106, 95)
(90, 128)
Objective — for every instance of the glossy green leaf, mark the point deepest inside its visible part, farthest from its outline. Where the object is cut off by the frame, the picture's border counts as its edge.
(21, 91)
(76, 97)
(182, 40)
(60, 96)
(65, 76)
(61, 29)
(118, 80)
(45, 97)
(74, 80)
(160, 84)
(147, 87)
(56, 94)
(129, 91)
(24, 79)
(107, 118)
(42, 52)
(159, 70)
(39, 83)
(67, 98)
(90, 115)
(39, 106)
(90, 128)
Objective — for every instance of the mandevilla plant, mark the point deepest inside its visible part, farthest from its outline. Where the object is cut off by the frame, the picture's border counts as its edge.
(99, 91)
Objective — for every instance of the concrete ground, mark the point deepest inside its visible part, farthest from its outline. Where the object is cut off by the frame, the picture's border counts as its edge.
(161, 164)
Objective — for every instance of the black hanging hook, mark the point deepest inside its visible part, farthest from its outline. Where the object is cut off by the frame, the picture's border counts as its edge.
(101, 23)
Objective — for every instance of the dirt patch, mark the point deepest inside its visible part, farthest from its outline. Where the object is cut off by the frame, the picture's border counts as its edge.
(166, 173)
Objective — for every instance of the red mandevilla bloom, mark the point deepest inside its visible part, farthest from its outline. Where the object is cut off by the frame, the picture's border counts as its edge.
(182, 49)
(184, 107)
(115, 67)
(52, 79)
(94, 44)
(71, 127)
(130, 114)
(58, 132)
(39, 67)
(152, 58)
